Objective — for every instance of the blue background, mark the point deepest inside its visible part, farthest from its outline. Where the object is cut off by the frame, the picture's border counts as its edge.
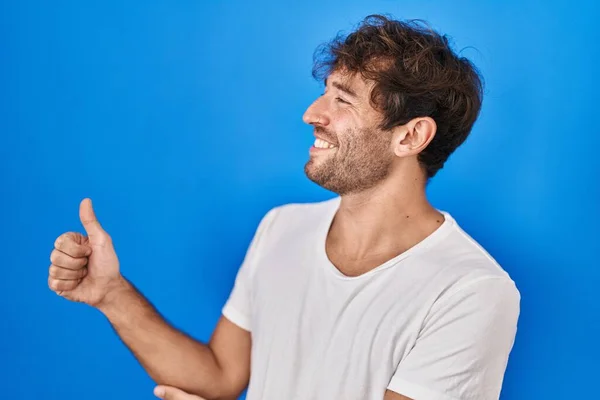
(182, 121)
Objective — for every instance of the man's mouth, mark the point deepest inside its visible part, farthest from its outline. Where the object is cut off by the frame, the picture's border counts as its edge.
(323, 144)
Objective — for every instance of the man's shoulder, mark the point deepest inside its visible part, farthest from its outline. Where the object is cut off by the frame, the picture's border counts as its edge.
(294, 220)
(461, 261)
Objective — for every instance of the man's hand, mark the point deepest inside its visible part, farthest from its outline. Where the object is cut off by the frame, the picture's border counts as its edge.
(171, 393)
(84, 268)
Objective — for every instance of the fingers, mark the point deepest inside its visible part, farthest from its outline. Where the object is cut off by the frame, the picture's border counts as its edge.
(64, 273)
(70, 244)
(69, 259)
(63, 260)
(171, 393)
(60, 285)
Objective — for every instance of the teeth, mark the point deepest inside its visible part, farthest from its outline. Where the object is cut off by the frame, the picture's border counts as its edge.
(322, 144)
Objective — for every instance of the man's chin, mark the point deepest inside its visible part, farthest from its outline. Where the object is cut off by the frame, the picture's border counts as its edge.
(310, 170)
(313, 175)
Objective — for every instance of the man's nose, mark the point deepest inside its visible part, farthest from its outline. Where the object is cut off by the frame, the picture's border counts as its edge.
(315, 115)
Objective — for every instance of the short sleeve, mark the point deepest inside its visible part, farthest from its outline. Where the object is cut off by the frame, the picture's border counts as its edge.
(237, 309)
(463, 347)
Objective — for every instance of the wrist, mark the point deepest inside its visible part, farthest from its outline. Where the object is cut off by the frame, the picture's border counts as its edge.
(117, 291)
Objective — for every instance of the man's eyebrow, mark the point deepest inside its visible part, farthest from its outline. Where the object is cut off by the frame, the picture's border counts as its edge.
(343, 87)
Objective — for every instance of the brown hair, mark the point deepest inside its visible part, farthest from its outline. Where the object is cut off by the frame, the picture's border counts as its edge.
(416, 74)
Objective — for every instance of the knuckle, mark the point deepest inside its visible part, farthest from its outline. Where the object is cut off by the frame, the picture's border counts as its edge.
(54, 256)
(58, 258)
(60, 241)
(52, 283)
(61, 273)
(66, 261)
(67, 243)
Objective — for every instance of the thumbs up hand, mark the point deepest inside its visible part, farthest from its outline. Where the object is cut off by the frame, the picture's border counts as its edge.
(84, 268)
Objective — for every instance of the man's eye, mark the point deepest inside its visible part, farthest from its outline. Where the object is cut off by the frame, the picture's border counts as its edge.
(340, 100)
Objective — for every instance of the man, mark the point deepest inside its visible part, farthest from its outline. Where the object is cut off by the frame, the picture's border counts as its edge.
(374, 294)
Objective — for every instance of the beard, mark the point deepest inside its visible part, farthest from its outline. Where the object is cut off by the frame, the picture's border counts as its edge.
(359, 163)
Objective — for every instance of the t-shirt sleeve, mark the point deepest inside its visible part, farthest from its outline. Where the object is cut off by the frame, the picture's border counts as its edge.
(463, 347)
(237, 309)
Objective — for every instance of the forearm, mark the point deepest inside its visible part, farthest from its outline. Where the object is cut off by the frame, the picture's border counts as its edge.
(169, 356)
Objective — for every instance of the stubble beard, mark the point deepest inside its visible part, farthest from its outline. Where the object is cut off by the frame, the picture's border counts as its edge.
(358, 164)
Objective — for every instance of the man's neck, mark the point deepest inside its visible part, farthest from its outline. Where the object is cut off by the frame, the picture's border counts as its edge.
(379, 224)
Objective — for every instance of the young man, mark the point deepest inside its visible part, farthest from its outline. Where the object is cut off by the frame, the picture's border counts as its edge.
(374, 294)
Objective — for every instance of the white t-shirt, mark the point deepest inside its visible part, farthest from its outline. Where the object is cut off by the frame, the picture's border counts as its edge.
(435, 323)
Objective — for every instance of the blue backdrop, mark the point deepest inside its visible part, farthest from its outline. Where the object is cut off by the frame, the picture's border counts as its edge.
(182, 121)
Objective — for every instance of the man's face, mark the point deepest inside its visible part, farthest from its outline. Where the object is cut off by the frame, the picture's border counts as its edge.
(350, 153)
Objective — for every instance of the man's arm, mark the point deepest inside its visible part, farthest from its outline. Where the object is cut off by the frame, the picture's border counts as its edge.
(86, 269)
(389, 395)
(172, 393)
(219, 369)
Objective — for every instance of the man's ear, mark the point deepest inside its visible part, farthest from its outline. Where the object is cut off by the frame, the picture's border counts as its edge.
(413, 137)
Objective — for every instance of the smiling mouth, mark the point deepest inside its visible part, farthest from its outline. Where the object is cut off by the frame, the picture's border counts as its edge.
(323, 144)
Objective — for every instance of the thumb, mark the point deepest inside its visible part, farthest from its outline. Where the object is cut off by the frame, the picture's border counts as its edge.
(170, 393)
(89, 220)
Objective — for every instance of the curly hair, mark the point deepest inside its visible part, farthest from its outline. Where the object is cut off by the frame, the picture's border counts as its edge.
(415, 74)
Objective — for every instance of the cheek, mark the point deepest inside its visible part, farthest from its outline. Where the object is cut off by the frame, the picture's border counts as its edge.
(368, 143)
(343, 120)
(346, 132)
